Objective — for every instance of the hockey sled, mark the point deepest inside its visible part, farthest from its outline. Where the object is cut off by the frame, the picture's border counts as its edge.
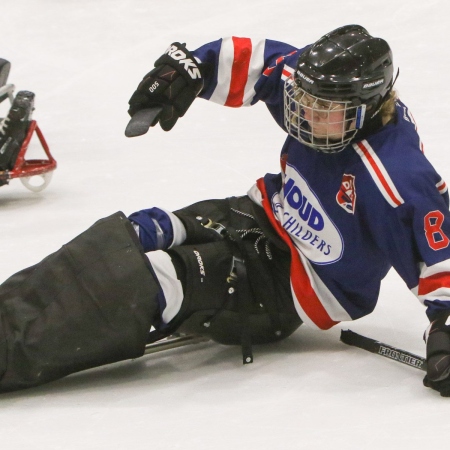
(35, 174)
(29, 170)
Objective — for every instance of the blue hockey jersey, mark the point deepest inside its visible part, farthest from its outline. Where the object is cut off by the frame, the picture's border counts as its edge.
(347, 217)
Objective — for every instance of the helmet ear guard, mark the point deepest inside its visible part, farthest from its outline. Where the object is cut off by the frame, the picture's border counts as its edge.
(360, 116)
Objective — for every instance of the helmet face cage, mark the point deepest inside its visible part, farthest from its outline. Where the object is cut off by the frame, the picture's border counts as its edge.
(322, 124)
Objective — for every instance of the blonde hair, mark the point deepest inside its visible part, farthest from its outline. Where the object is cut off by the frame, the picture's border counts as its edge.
(387, 109)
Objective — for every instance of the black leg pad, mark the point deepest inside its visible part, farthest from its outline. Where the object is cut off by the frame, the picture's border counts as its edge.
(90, 303)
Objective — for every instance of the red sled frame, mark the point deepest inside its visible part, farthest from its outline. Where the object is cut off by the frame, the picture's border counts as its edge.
(26, 169)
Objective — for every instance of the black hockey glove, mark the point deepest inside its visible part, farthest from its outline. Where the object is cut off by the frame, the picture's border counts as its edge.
(171, 86)
(437, 339)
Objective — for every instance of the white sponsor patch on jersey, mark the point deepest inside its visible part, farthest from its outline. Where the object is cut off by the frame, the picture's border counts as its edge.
(304, 218)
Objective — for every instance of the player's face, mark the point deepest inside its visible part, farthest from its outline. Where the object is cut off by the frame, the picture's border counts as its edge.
(319, 123)
(326, 118)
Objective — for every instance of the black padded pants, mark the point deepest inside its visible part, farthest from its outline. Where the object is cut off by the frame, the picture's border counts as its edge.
(90, 303)
(213, 305)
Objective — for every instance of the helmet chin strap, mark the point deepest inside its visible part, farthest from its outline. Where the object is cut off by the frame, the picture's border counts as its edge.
(370, 126)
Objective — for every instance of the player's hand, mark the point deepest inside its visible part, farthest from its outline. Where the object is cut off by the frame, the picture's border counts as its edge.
(173, 84)
(437, 338)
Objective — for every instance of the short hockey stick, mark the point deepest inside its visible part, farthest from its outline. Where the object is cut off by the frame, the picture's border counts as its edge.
(142, 121)
(351, 338)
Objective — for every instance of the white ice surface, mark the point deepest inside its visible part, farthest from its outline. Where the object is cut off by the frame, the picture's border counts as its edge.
(83, 59)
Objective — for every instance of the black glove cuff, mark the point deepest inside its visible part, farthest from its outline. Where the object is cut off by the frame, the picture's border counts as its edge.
(438, 343)
(196, 231)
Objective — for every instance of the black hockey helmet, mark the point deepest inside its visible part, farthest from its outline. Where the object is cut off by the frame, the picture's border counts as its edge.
(347, 64)
(346, 70)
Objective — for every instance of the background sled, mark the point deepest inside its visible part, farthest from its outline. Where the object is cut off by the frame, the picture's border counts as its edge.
(35, 174)
(27, 169)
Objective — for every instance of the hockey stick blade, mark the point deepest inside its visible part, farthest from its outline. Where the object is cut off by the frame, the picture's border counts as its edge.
(351, 338)
(142, 121)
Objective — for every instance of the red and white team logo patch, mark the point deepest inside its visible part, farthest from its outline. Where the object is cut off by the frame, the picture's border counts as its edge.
(346, 197)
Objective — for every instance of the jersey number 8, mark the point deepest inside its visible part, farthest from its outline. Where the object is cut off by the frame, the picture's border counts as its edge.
(436, 238)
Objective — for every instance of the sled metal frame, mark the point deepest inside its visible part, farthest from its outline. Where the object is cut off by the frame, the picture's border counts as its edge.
(8, 90)
(27, 168)
(174, 341)
(31, 167)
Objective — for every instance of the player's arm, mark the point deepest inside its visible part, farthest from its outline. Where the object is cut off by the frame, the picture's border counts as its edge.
(414, 234)
(432, 232)
(431, 224)
(244, 70)
(432, 229)
(231, 71)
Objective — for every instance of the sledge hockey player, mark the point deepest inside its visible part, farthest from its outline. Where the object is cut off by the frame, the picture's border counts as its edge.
(355, 197)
